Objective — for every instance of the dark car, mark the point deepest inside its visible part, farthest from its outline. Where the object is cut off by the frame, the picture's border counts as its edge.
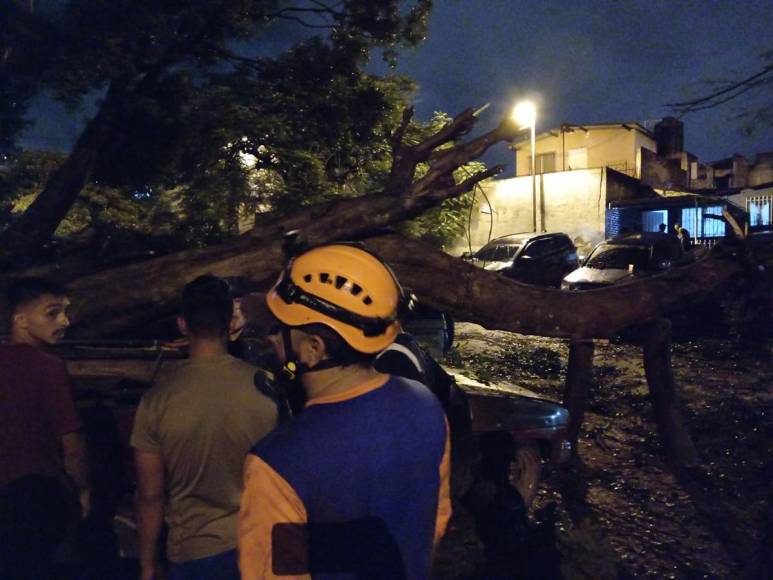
(533, 258)
(625, 257)
(534, 430)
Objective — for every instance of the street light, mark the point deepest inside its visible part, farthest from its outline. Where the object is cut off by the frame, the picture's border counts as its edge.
(525, 114)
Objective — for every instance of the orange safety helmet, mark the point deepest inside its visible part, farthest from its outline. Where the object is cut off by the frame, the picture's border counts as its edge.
(344, 287)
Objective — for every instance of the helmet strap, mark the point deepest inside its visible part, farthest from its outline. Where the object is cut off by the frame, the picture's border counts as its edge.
(293, 368)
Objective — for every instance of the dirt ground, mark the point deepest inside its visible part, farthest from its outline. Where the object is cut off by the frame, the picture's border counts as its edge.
(618, 510)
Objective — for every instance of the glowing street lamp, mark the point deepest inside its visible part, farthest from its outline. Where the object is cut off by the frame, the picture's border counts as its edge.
(525, 114)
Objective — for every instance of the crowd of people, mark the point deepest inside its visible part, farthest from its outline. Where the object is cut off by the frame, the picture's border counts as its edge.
(356, 484)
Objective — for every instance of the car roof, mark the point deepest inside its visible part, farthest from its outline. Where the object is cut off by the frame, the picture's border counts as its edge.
(523, 237)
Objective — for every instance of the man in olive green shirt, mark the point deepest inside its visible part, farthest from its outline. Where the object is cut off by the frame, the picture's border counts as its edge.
(191, 434)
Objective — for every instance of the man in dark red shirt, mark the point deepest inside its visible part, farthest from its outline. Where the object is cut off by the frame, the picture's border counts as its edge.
(43, 460)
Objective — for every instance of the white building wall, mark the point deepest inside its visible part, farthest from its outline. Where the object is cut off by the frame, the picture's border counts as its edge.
(575, 203)
(568, 201)
(509, 212)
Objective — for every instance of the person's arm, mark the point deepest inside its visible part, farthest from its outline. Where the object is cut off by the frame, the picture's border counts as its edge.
(272, 535)
(58, 408)
(76, 465)
(150, 508)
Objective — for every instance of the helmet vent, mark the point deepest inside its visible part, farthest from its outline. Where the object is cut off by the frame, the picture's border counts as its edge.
(356, 289)
(324, 277)
(307, 278)
(367, 300)
(340, 281)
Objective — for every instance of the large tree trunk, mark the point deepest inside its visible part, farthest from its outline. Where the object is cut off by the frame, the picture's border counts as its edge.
(496, 302)
(28, 236)
(119, 300)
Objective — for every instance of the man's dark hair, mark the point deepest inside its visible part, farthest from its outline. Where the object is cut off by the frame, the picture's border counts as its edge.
(207, 307)
(337, 348)
(238, 286)
(26, 290)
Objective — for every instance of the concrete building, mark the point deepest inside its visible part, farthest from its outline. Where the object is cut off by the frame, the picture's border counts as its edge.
(596, 181)
(574, 202)
(571, 147)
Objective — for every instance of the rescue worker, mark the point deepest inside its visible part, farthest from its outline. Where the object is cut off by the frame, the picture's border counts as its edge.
(407, 358)
(358, 483)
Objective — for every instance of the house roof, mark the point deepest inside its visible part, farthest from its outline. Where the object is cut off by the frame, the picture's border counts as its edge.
(726, 191)
(571, 128)
(726, 163)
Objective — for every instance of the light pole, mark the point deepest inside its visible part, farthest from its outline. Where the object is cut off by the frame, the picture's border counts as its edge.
(525, 114)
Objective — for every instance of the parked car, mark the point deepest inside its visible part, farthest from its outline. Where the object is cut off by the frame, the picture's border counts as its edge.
(519, 428)
(542, 259)
(625, 257)
(517, 433)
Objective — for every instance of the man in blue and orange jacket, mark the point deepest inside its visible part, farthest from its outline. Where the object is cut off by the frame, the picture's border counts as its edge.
(357, 485)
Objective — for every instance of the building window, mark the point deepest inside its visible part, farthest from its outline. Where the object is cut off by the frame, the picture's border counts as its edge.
(651, 220)
(759, 209)
(577, 158)
(699, 225)
(546, 162)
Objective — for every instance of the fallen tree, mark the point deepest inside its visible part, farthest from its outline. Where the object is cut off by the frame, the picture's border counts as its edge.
(117, 300)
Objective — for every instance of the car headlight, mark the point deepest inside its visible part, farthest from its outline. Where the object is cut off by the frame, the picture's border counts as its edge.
(565, 285)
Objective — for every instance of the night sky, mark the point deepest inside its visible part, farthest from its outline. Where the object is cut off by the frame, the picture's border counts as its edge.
(583, 62)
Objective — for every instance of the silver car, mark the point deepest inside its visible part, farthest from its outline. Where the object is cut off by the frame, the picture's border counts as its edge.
(625, 257)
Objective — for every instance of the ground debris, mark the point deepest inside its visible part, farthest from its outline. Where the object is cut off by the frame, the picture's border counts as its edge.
(620, 511)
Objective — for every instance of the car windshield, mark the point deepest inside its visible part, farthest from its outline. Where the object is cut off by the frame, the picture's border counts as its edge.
(619, 257)
(497, 252)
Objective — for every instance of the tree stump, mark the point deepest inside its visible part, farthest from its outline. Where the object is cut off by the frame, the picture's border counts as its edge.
(579, 378)
(674, 436)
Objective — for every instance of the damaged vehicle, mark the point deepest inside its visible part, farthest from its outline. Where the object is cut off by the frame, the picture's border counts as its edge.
(625, 257)
(529, 432)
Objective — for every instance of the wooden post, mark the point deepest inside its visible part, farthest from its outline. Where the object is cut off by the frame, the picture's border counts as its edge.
(579, 377)
(657, 367)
